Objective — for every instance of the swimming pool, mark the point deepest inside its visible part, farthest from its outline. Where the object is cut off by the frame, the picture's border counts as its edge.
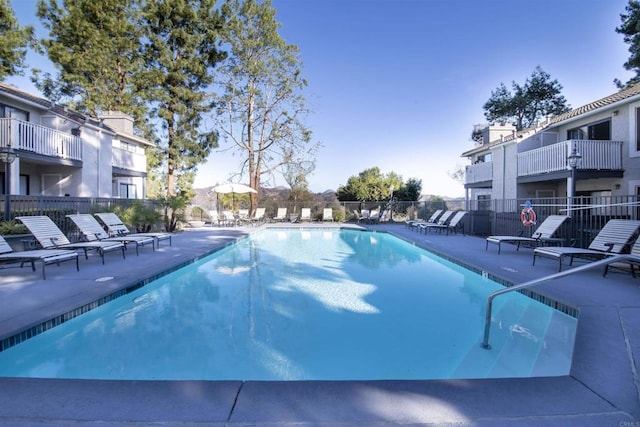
(306, 304)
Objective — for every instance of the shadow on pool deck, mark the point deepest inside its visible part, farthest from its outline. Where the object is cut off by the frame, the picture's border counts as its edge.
(602, 389)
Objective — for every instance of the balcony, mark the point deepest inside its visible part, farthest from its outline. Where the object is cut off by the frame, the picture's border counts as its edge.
(478, 174)
(126, 159)
(39, 139)
(596, 156)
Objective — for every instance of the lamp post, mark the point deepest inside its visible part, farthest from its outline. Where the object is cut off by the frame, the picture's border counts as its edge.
(572, 159)
(7, 156)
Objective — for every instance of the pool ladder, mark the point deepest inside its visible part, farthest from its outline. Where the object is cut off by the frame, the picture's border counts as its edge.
(531, 283)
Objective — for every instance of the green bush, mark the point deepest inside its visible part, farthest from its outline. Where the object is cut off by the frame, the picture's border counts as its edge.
(12, 227)
(140, 218)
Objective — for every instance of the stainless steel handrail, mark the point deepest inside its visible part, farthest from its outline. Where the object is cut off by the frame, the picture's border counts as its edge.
(592, 265)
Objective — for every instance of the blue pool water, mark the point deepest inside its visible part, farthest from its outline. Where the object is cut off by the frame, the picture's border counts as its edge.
(317, 304)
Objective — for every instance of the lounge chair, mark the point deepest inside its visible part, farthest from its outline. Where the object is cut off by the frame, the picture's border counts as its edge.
(374, 216)
(453, 225)
(363, 215)
(305, 214)
(229, 219)
(243, 215)
(215, 218)
(49, 236)
(327, 214)
(543, 234)
(432, 220)
(614, 238)
(443, 220)
(92, 231)
(281, 215)
(116, 227)
(632, 266)
(43, 256)
(258, 215)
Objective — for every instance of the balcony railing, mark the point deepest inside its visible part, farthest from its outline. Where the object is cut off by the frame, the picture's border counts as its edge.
(480, 172)
(596, 155)
(126, 159)
(39, 139)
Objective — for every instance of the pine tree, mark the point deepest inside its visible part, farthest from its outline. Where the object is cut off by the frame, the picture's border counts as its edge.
(14, 40)
(95, 46)
(630, 28)
(180, 52)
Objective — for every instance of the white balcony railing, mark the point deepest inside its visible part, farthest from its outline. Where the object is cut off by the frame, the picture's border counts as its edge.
(129, 160)
(39, 139)
(480, 172)
(596, 155)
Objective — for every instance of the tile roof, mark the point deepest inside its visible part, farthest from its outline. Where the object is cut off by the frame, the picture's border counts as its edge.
(626, 93)
(603, 102)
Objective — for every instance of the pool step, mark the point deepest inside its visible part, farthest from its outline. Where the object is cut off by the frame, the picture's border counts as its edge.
(479, 359)
(526, 338)
(555, 357)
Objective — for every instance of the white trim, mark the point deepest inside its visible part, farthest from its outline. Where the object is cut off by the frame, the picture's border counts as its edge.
(633, 128)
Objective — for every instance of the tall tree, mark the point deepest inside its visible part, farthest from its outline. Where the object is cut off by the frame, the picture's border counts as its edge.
(295, 175)
(180, 49)
(260, 108)
(370, 184)
(630, 28)
(95, 46)
(410, 191)
(538, 97)
(14, 40)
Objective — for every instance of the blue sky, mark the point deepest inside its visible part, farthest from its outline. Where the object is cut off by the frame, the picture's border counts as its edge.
(399, 84)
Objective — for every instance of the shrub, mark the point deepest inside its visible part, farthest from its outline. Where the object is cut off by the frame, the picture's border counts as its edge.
(12, 227)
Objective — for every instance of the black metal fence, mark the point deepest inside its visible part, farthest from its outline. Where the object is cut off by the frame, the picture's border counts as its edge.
(486, 217)
(58, 207)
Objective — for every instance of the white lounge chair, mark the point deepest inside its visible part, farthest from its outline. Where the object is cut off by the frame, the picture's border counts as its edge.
(305, 214)
(453, 225)
(614, 238)
(43, 256)
(215, 217)
(363, 215)
(415, 223)
(281, 215)
(443, 220)
(229, 219)
(47, 233)
(116, 227)
(543, 234)
(92, 231)
(258, 215)
(327, 214)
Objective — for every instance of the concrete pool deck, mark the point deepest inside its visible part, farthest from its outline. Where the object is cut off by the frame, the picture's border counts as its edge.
(603, 388)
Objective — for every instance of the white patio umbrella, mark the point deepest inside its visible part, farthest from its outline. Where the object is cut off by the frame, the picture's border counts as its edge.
(233, 188)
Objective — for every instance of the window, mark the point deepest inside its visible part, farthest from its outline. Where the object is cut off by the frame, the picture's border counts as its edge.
(600, 131)
(128, 191)
(576, 134)
(637, 129)
(9, 112)
(484, 202)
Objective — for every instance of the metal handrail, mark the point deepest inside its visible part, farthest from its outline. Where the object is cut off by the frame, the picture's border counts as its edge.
(592, 265)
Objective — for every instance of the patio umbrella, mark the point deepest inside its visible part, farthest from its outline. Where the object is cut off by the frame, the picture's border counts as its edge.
(234, 189)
